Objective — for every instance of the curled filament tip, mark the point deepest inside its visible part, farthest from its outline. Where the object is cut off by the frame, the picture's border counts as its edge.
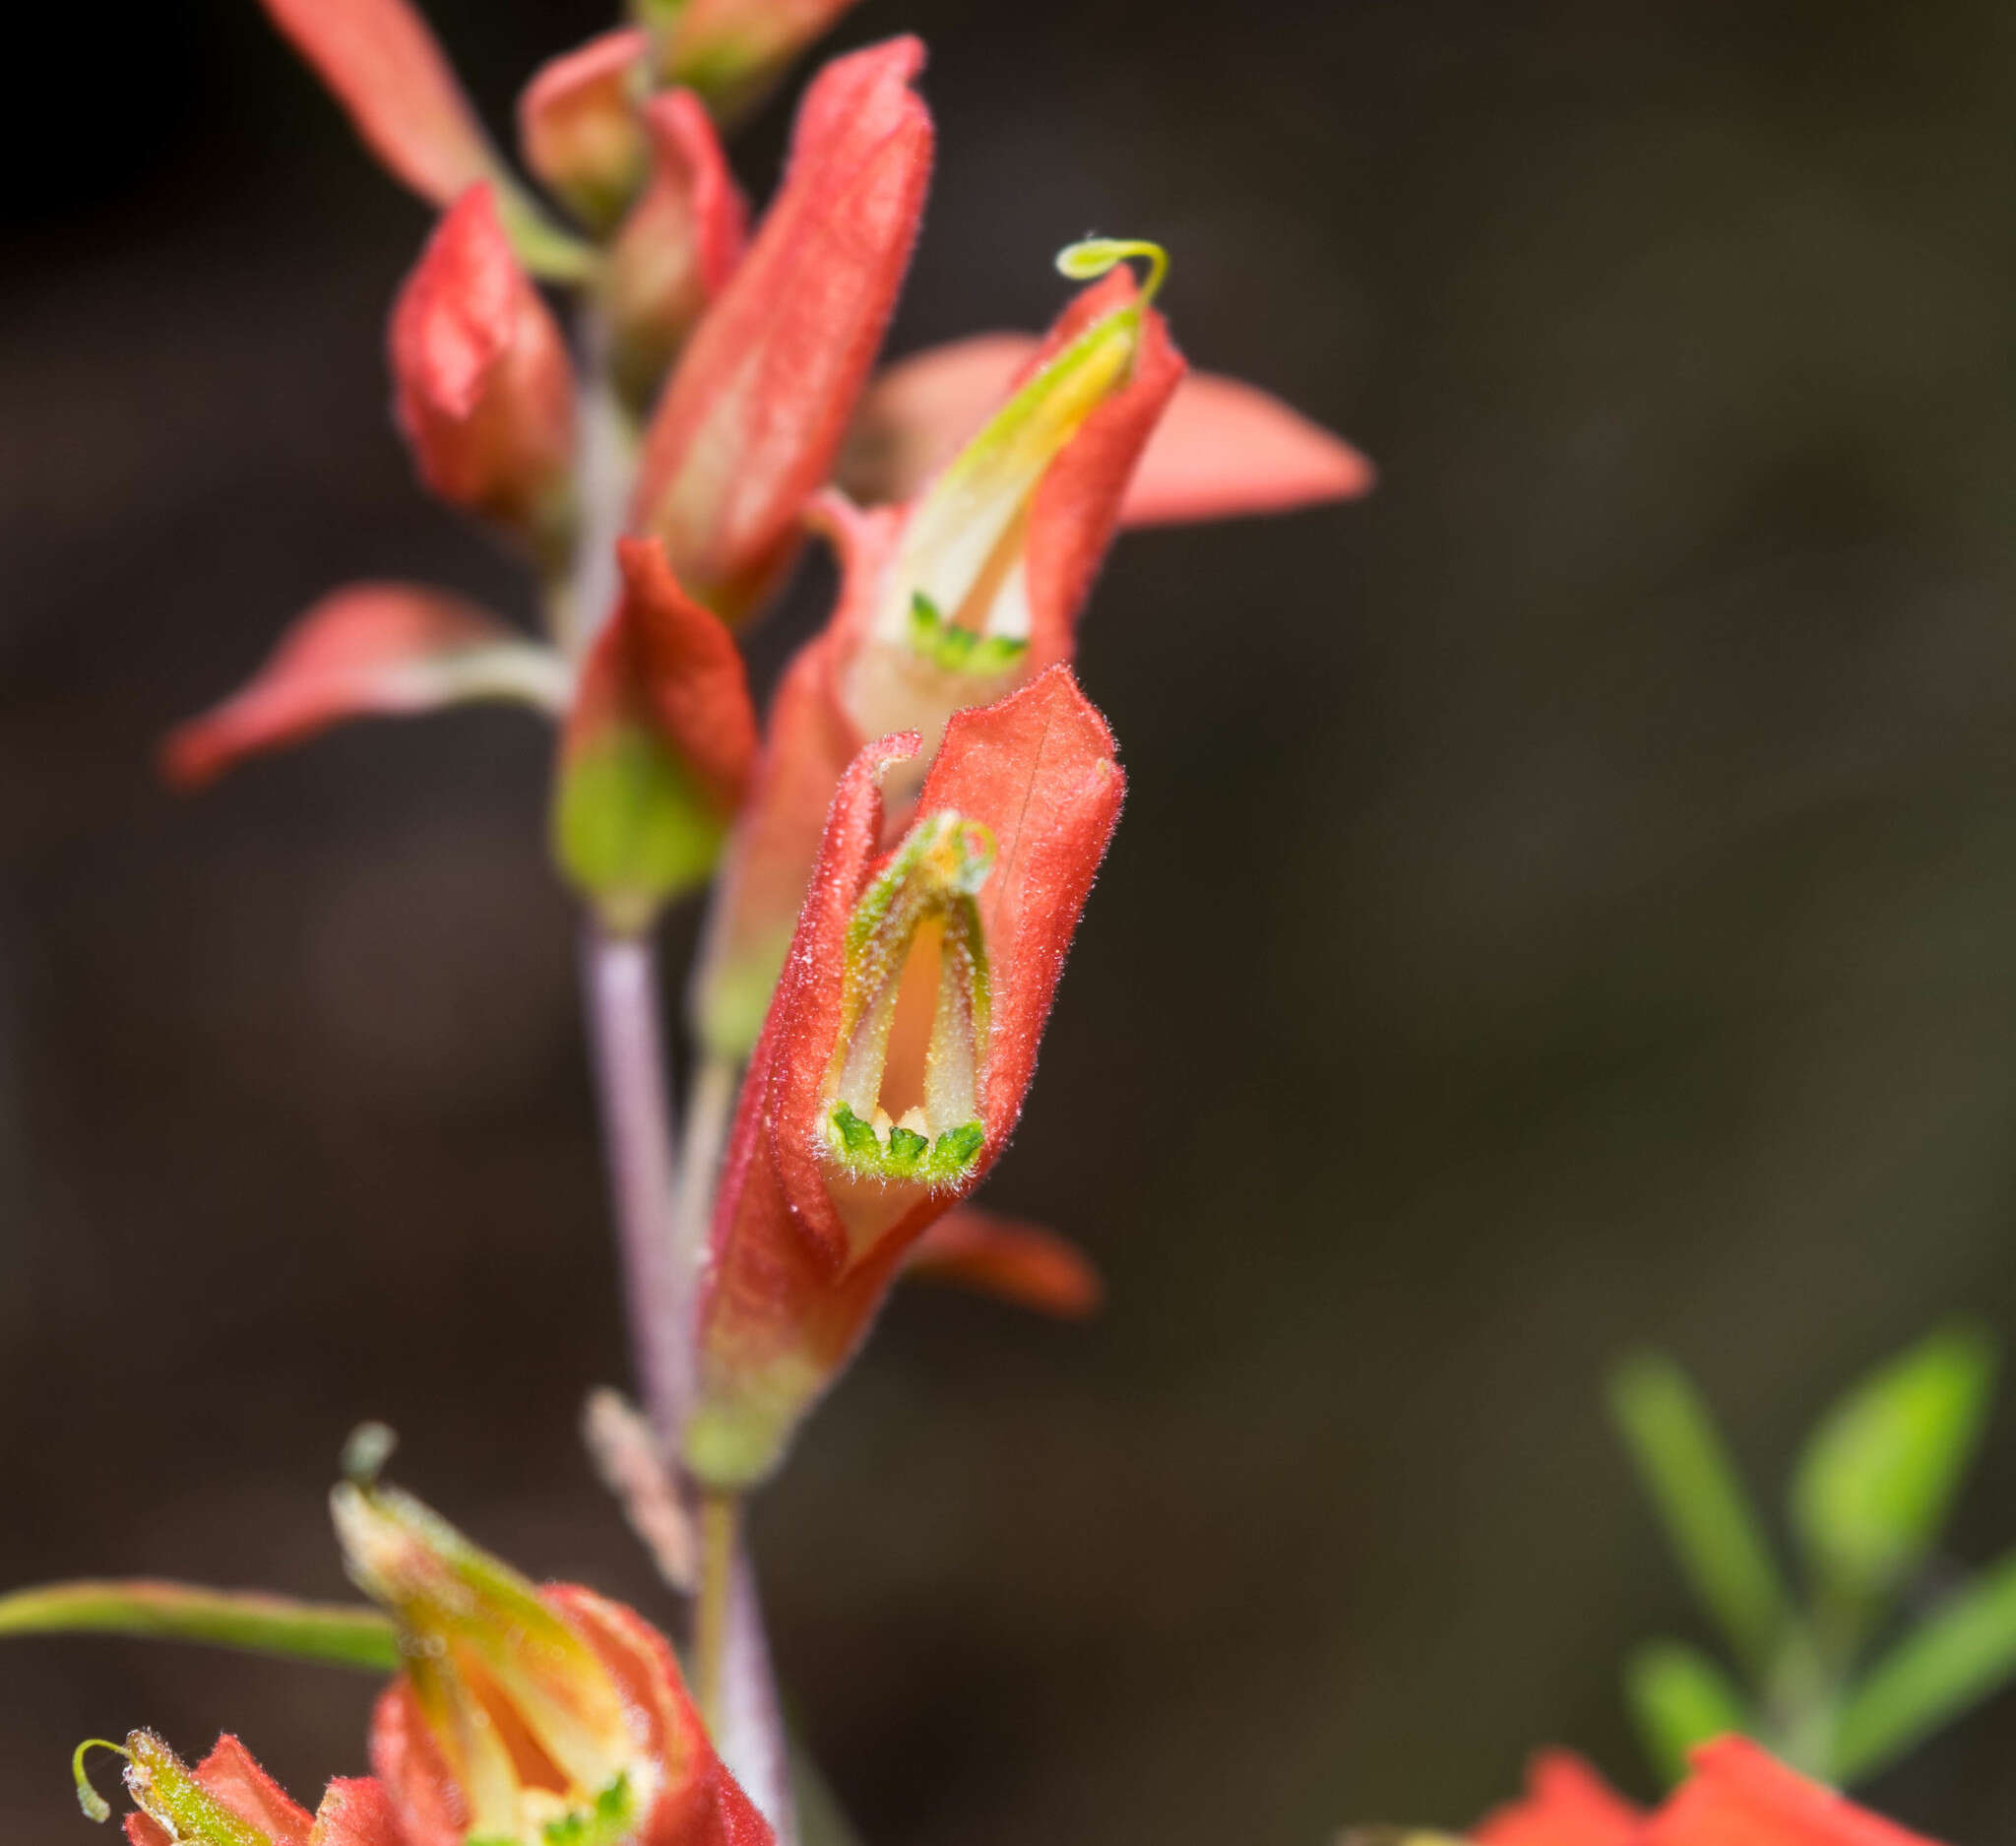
(1094, 256)
(367, 1452)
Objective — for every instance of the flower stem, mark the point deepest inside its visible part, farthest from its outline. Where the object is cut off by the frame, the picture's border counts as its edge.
(710, 1111)
(619, 975)
(721, 1518)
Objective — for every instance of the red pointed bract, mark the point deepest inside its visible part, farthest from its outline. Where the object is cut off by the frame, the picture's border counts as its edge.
(1565, 1804)
(1739, 1794)
(697, 1803)
(1009, 1258)
(484, 390)
(664, 660)
(753, 415)
(679, 245)
(791, 1290)
(370, 648)
(578, 124)
(380, 61)
(1225, 449)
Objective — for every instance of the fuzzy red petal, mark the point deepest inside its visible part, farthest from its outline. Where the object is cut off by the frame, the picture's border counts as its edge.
(679, 245)
(356, 1810)
(230, 1774)
(1009, 1258)
(578, 124)
(753, 415)
(1739, 1794)
(380, 61)
(1223, 449)
(483, 387)
(1565, 1804)
(366, 648)
(663, 658)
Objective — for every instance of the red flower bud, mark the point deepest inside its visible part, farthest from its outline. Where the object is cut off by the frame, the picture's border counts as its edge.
(656, 747)
(896, 1051)
(751, 419)
(733, 50)
(579, 126)
(677, 248)
(484, 391)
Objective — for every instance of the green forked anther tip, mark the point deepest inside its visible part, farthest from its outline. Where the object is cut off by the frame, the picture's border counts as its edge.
(95, 1805)
(1094, 256)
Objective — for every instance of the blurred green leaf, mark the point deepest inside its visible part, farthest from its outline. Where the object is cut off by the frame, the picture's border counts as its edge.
(1679, 1697)
(337, 1634)
(1878, 1475)
(1709, 1518)
(1956, 1657)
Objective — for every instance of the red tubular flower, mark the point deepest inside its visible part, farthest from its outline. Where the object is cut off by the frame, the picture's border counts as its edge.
(527, 1717)
(1224, 448)
(751, 419)
(679, 245)
(896, 1051)
(484, 390)
(945, 604)
(387, 648)
(1739, 1794)
(1565, 1804)
(656, 747)
(578, 125)
(228, 1800)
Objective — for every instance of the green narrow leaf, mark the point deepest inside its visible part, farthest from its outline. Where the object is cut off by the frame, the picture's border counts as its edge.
(1956, 1657)
(1709, 1518)
(1679, 1697)
(334, 1633)
(1878, 1476)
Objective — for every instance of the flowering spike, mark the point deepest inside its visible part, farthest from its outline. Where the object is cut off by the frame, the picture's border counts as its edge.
(1006, 1257)
(370, 648)
(655, 750)
(382, 64)
(677, 248)
(1093, 257)
(578, 125)
(914, 991)
(484, 388)
(751, 419)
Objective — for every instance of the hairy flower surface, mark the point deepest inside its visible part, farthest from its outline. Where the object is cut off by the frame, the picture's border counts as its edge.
(228, 1800)
(898, 1049)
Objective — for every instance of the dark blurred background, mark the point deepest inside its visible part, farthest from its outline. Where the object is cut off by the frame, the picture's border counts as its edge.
(1566, 901)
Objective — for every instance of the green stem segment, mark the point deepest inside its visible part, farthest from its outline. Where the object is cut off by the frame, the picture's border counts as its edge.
(721, 1516)
(337, 1634)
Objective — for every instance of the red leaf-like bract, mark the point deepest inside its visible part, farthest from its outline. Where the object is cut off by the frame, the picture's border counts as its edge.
(1565, 1804)
(1223, 450)
(354, 1812)
(380, 61)
(484, 391)
(1009, 1258)
(1739, 1794)
(754, 412)
(791, 1284)
(697, 1803)
(367, 648)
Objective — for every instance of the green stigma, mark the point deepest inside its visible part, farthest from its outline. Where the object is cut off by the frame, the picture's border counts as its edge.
(1093, 257)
